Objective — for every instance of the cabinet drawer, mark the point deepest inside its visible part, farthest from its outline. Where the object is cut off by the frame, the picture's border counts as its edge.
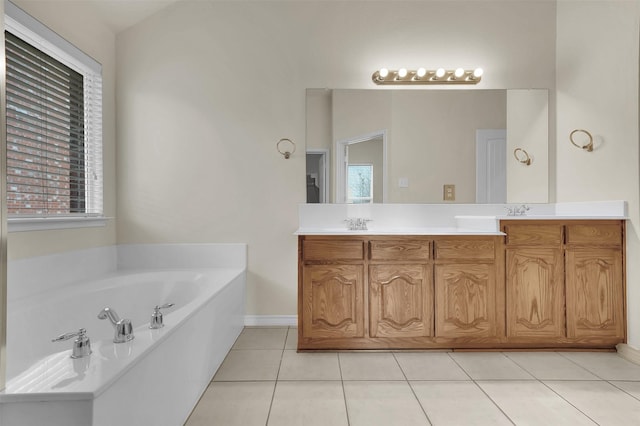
(333, 250)
(464, 249)
(399, 250)
(599, 234)
(534, 234)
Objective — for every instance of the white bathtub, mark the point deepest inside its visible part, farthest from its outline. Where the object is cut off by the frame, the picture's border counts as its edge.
(156, 378)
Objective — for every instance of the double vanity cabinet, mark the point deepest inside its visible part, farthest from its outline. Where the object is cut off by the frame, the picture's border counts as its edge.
(536, 284)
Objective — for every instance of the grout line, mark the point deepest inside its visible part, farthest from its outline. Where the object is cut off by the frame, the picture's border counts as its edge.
(344, 393)
(623, 390)
(482, 390)
(581, 366)
(567, 401)
(459, 366)
(493, 402)
(275, 384)
(412, 390)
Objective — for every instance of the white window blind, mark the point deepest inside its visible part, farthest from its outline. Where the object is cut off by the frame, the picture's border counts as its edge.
(54, 125)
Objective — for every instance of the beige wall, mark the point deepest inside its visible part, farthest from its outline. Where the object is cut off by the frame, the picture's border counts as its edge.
(597, 90)
(528, 129)
(206, 89)
(79, 25)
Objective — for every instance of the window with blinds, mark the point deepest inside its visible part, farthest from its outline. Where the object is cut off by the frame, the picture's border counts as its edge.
(54, 144)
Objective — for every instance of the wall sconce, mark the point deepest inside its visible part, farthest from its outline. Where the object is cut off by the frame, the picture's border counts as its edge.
(522, 156)
(424, 76)
(588, 146)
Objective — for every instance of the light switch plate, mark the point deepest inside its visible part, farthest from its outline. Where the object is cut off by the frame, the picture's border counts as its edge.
(403, 182)
(449, 192)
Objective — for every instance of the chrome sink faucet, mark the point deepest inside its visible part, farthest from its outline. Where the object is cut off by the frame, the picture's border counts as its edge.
(123, 327)
(357, 223)
(518, 211)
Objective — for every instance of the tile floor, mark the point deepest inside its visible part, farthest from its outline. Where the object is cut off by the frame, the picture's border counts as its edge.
(263, 381)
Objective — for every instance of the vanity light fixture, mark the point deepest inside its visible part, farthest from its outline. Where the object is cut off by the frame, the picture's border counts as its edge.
(424, 76)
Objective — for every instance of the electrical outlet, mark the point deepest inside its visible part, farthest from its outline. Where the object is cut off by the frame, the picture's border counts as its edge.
(449, 192)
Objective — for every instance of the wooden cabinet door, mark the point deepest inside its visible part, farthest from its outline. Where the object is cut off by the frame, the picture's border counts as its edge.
(465, 300)
(595, 304)
(400, 301)
(333, 304)
(535, 293)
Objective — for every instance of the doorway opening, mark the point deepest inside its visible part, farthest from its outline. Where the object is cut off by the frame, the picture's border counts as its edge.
(371, 150)
(317, 176)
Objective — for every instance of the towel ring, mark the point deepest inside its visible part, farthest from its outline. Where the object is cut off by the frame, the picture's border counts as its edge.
(588, 147)
(523, 157)
(286, 153)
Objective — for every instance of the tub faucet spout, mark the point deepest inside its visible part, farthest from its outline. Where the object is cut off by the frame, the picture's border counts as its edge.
(123, 327)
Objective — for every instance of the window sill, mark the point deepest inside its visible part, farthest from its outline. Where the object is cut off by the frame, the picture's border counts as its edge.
(22, 224)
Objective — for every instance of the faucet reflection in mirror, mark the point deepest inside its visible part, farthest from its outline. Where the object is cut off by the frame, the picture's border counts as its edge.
(424, 76)
(518, 211)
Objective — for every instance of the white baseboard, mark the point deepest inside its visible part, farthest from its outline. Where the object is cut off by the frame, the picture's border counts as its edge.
(271, 320)
(629, 353)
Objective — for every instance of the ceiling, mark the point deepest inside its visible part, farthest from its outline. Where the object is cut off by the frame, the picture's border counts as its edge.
(117, 15)
(121, 14)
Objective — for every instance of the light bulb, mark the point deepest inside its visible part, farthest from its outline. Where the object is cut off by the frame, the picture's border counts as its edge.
(440, 72)
(402, 72)
(459, 72)
(421, 72)
(477, 73)
(383, 73)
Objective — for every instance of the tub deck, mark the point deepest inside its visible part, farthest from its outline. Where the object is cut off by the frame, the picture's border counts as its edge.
(157, 378)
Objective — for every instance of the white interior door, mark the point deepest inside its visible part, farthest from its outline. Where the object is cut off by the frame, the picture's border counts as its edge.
(491, 166)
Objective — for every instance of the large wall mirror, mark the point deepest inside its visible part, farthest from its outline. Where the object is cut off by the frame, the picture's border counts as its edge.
(427, 146)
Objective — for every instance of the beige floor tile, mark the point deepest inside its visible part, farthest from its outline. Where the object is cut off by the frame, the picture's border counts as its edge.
(308, 404)
(632, 388)
(550, 366)
(261, 338)
(249, 365)
(489, 366)
(601, 401)
(430, 366)
(292, 339)
(309, 366)
(370, 366)
(233, 404)
(383, 403)
(606, 365)
(458, 403)
(529, 402)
